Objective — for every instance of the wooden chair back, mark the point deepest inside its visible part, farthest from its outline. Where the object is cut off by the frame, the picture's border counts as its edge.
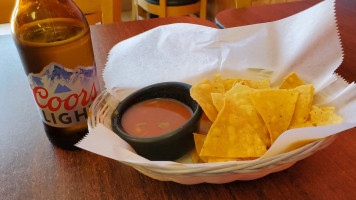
(162, 10)
(95, 11)
(100, 11)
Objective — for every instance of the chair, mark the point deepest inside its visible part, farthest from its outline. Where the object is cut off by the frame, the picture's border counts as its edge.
(100, 11)
(6, 7)
(169, 8)
(105, 11)
(243, 3)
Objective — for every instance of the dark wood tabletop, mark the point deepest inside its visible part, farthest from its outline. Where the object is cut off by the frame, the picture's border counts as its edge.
(31, 168)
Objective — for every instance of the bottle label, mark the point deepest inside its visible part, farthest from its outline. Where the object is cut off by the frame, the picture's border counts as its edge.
(64, 95)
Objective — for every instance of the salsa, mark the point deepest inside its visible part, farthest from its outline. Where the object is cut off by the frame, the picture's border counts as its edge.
(155, 117)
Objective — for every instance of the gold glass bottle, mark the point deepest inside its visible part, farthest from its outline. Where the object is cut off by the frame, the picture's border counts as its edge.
(54, 43)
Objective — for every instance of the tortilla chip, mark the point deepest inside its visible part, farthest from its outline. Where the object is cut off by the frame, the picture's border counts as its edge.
(263, 84)
(231, 136)
(204, 124)
(201, 93)
(324, 116)
(303, 105)
(238, 101)
(229, 83)
(305, 124)
(291, 81)
(218, 100)
(199, 141)
(298, 144)
(276, 107)
(218, 84)
(195, 156)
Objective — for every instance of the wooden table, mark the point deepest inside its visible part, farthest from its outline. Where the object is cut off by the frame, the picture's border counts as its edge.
(31, 168)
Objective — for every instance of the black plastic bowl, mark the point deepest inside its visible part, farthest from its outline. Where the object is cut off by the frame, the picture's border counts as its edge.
(171, 145)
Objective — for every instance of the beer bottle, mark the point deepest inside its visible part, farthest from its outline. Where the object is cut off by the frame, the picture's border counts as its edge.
(53, 40)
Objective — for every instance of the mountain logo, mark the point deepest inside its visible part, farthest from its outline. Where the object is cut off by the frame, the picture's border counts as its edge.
(37, 81)
(61, 89)
(54, 74)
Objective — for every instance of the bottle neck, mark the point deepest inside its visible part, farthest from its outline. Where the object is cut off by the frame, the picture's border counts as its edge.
(28, 11)
(44, 1)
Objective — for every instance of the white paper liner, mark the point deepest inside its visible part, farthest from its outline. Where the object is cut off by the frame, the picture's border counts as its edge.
(306, 43)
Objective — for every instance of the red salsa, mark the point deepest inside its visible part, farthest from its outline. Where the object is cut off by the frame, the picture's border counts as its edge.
(155, 117)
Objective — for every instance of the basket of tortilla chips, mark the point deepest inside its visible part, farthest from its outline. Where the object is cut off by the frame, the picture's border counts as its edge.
(243, 118)
(260, 117)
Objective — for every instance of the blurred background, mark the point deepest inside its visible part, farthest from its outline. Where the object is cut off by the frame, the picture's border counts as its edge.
(108, 11)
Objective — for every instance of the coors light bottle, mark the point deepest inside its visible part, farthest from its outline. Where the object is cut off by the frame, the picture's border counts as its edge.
(53, 41)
